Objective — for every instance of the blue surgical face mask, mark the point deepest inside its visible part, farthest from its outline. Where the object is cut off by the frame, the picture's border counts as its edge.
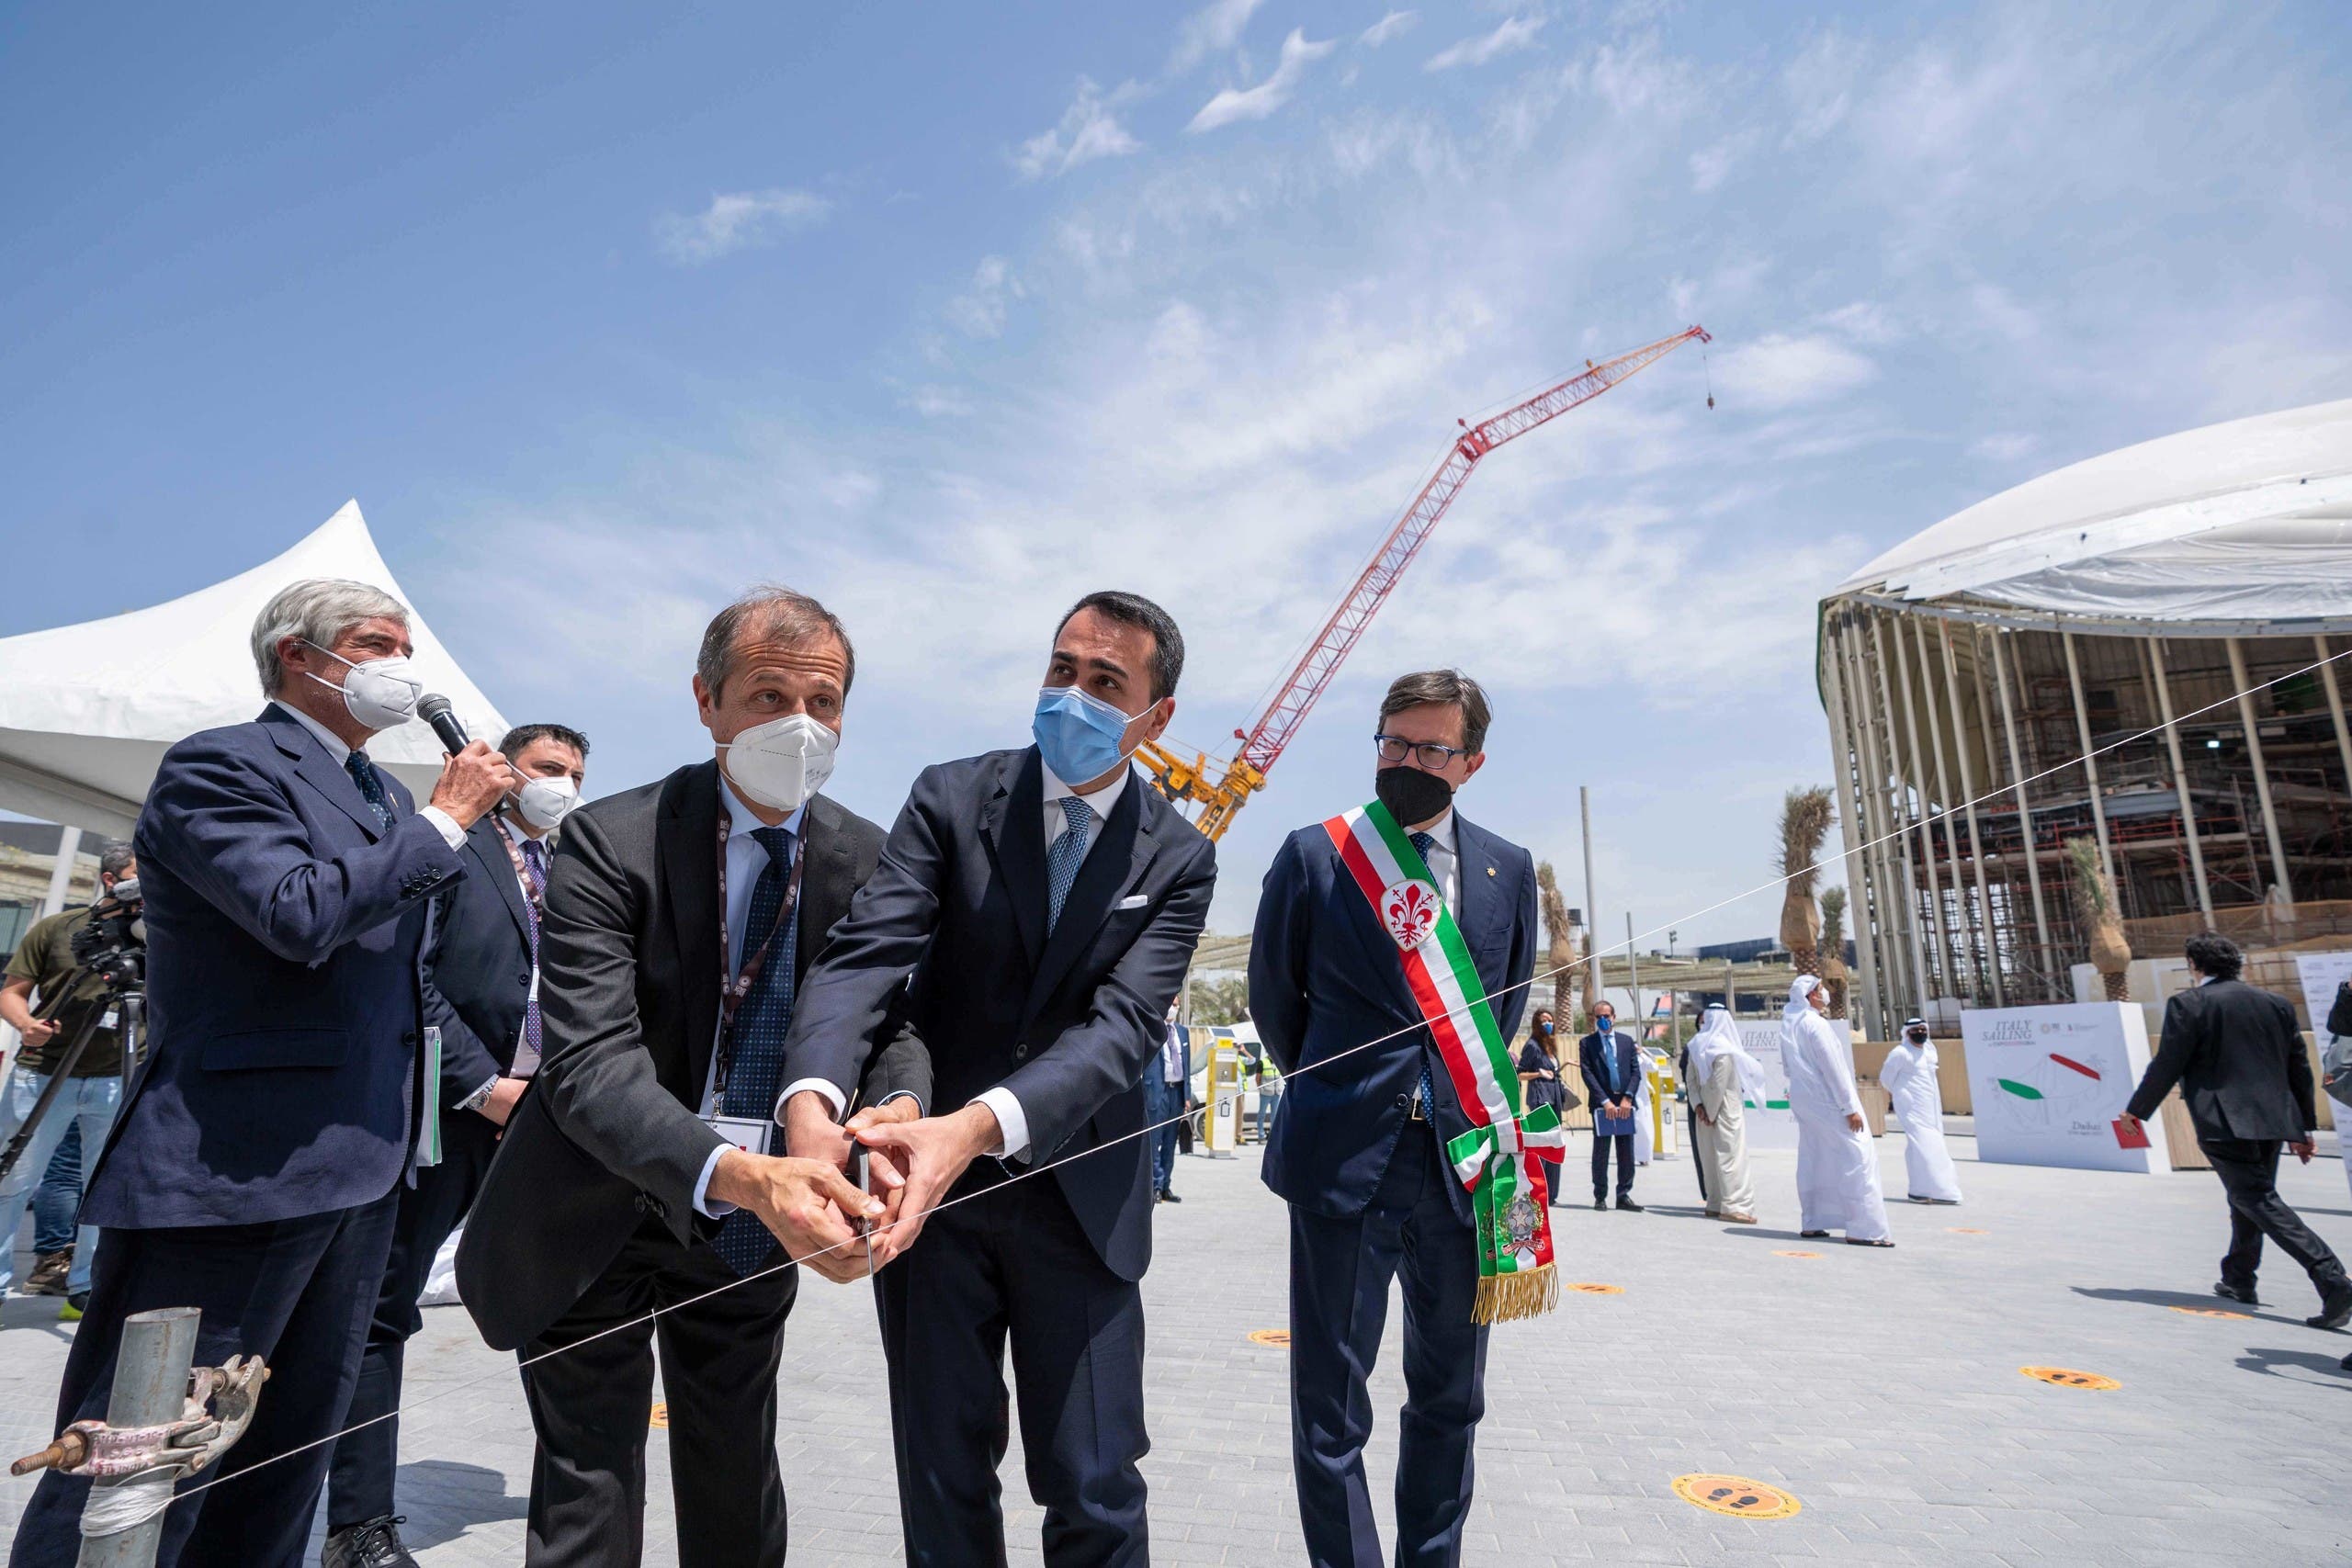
(1079, 737)
(1604, 1024)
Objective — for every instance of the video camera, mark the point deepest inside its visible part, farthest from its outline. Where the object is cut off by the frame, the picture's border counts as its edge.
(112, 943)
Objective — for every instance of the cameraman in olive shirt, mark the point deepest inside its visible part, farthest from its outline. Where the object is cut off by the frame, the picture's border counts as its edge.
(43, 961)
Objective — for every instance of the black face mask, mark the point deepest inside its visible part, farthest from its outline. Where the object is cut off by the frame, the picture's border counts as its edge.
(1410, 795)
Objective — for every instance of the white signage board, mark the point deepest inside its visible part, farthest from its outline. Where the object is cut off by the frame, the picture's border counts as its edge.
(2321, 974)
(2049, 1081)
(1771, 1126)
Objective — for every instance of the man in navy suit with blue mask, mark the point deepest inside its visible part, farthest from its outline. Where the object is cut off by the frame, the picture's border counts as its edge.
(1372, 1098)
(1612, 1066)
(253, 1172)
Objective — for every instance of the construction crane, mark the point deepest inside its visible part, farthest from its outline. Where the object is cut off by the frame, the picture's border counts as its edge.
(1221, 798)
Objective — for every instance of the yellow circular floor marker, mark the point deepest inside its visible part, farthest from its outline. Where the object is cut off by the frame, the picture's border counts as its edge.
(1782, 1252)
(1599, 1290)
(2067, 1377)
(1736, 1495)
(661, 1413)
(1277, 1338)
(2214, 1312)
(1966, 1230)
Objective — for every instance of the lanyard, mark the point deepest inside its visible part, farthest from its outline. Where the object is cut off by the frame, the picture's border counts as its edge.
(735, 987)
(521, 875)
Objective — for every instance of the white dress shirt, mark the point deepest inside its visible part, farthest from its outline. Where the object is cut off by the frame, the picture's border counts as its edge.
(1445, 864)
(746, 859)
(1011, 1119)
(450, 833)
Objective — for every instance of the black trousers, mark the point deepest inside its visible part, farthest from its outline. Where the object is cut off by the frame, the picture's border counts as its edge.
(1696, 1163)
(295, 1293)
(1012, 1267)
(1623, 1143)
(590, 1407)
(1340, 1273)
(2249, 1171)
(360, 1477)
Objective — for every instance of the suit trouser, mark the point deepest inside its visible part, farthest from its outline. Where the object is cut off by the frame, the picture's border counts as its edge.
(361, 1475)
(1162, 1102)
(1012, 1265)
(293, 1291)
(1624, 1142)
(589, 1405)
(2249, 1171)
(1340, 1273)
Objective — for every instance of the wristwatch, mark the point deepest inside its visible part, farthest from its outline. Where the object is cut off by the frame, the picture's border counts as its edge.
(479, 1097)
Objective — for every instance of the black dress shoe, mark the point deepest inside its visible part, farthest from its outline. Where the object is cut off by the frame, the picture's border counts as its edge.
(1167, 1197)
(2335, 1308)
(1811, 1235)
(1600, 1203)
(376, 1543)
(1629, 1206)
(2243, 1295)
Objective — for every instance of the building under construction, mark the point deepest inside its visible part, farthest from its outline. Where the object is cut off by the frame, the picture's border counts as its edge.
(2147, 649)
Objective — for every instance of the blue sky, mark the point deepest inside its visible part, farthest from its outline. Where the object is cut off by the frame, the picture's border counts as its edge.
(949, 314)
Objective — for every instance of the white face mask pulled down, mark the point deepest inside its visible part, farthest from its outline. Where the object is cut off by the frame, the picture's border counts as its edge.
(380, 694)
(544, 803)
(780, 763)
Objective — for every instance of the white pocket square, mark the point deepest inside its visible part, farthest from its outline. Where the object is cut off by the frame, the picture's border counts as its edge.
(1137, 902)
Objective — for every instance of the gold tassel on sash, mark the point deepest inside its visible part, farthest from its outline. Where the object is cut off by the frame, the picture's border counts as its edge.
(1503, 1298)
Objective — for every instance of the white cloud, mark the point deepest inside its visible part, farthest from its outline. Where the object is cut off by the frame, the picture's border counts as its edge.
(737, 220)
(1212, 29)
(1388, 27)
(1819, 85)
(1864, 322)
(1516, 33)
(980, 310)
(1712, 163)
(2005, 446)
(1087, 131)
(1237, 104)
(1777, 371)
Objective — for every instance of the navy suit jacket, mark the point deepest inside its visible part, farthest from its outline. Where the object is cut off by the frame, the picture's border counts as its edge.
(1596, 1082)
(1066, 1021)
(1325, 977)
(284, 925)
(478, 969)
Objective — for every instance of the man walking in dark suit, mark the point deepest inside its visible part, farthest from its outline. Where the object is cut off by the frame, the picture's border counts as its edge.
(254, 1170)
(481, 991)
(1046, 903)
(1611, 1064)
(2239, 1059)
(1371, 1099)
(635, 1176)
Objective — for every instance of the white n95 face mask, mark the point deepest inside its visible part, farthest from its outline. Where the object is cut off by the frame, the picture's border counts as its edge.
(546, 802)
(780, 763)
(381, 694)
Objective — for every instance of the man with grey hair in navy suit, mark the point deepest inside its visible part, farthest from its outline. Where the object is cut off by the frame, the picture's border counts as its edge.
(253, 1172)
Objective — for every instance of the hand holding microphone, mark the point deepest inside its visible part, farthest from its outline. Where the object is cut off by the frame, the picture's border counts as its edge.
(475, 779)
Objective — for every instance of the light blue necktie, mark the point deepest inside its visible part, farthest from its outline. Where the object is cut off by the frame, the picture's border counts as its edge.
(1423, 844)
(757, 1064)
(1064, 857)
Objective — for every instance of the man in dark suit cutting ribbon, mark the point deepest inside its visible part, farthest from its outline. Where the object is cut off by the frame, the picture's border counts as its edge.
(1387, 975)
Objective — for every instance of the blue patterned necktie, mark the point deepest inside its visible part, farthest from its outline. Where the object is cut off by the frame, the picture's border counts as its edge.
(757, 1062)
(535, 877)
(372, 785)
(1422, 843)
(1064, 857)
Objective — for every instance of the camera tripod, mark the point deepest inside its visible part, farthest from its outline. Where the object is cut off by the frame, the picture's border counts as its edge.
(120, 971)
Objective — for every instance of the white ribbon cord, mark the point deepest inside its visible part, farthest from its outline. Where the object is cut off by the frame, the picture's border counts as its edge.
(1626, 945)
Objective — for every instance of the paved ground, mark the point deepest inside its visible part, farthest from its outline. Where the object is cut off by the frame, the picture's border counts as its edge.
(1881, 1388)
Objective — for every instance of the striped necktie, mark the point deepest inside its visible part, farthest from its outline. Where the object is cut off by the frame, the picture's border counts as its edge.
(372, 785)
(756, 1065)
(1422, 843)
(1064, 857)
(535, 879)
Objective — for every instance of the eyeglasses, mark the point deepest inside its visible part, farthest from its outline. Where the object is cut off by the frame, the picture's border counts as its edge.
(1428, 754)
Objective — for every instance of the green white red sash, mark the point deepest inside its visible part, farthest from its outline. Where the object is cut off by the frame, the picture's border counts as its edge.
(1496, 1159)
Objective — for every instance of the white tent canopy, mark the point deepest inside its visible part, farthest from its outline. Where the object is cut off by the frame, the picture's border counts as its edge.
(88, 711)
(2248, 521)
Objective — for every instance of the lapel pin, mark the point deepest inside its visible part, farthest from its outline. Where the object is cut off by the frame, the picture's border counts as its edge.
(1490, 870)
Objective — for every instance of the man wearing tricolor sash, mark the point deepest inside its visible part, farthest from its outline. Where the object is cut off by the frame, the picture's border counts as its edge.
(1387, 975)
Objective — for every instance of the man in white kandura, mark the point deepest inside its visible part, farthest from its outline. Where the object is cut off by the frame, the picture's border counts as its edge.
(1837, 1168)
(1910, 1080)
(1722, 1076)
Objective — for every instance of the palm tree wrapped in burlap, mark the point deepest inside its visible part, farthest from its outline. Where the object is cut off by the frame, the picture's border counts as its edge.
(1833, 948)
(1806, 817)
(1562, 958)
(2095, 902)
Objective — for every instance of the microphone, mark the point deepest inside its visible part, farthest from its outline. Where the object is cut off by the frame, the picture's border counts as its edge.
(434, 709)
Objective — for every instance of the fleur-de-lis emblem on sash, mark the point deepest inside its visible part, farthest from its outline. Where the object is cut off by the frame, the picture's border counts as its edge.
(1409, 912)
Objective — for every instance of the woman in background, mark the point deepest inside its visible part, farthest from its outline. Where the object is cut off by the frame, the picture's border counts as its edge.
(1539, 1068)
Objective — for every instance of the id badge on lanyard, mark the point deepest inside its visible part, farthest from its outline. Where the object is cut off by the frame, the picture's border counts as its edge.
(748, 1133)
